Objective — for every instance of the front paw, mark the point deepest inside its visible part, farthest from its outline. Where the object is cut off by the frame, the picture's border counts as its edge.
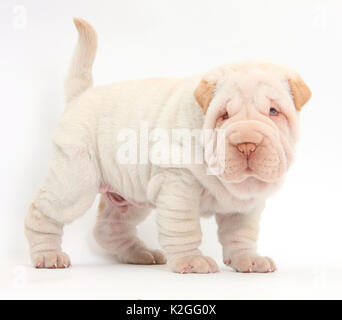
(51, 260)
(251, 263)
(194, 264)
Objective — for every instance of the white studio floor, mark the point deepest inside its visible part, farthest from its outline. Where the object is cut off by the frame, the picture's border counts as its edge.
(95, 275)
(113, 281)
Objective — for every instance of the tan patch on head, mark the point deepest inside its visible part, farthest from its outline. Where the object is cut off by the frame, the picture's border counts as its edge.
(300, 92)
(204, 93)
(102, 206)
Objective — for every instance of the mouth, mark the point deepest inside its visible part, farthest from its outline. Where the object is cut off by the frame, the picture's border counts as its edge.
(249, 170)
(246, 167)
(245, 174)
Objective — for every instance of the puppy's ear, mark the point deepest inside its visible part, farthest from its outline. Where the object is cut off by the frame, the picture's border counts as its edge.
(300, 91)
(204, 93)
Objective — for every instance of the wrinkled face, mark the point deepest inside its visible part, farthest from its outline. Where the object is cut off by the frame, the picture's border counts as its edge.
(255, 107)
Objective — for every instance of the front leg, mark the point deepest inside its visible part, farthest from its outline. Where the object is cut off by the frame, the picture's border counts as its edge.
(178, 221)
(238, 234)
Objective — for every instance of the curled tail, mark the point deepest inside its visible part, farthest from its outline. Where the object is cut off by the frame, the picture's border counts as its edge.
(80, 72)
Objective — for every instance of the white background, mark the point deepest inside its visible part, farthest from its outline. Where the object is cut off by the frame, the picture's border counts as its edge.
(301, 226)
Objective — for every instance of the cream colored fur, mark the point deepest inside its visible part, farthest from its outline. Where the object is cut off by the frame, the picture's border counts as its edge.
(84, 164)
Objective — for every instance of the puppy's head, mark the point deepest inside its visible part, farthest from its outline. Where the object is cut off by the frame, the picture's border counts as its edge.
(256, 107)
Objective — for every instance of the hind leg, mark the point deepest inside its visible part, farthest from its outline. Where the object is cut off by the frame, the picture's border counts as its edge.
(117, 233)
(68, 192)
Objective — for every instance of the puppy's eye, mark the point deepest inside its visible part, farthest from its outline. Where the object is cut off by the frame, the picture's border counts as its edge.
(274, 112)
(225, 116)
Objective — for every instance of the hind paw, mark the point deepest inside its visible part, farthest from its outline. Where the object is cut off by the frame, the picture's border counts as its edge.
(142, 255)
